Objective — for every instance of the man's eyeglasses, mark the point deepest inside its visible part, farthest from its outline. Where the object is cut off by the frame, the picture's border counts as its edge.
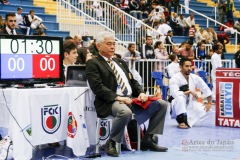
(12, 21)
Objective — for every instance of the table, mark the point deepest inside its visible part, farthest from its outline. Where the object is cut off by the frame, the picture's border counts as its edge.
(228, 97)
(46, 115)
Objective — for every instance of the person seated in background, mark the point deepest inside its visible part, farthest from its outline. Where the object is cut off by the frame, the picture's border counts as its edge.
(173, 67)
(113, 85)
(93, 48)
(70, 55)
(20, 23)
(83, 55)
(10, 21)
(78, 41)
(185, 106)
(134, 9)
(176, 26)
(183, 24)
(36, 22)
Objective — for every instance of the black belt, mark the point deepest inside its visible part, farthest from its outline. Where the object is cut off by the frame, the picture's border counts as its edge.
(125, 96)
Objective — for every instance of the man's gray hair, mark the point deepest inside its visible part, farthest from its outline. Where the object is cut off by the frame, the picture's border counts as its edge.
(104, 34)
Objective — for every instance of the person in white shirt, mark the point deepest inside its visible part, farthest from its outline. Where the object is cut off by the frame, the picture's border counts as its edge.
(19, 22)
(36, 22)
(173, 67)
(183, 23)
(216, 63)
(190, 20)
(163, 28)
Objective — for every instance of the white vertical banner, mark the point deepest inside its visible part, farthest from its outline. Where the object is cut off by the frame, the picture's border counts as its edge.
(22, 150)
(90, 116)
(49, 113)
(77, 138)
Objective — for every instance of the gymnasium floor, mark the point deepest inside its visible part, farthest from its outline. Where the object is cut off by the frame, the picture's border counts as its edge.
(203, 141)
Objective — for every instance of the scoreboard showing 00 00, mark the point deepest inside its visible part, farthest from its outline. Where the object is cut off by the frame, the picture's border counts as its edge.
(29, 58)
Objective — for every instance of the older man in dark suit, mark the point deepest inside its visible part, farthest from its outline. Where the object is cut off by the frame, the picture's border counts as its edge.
(113, 96)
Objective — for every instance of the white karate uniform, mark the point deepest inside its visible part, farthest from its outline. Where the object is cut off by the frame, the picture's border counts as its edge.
(35, 23)
(195, 110)
(216, 63)
(173, 68)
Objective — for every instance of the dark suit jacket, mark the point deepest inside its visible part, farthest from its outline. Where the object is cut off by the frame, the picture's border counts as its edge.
(103, 83)
(4, 32)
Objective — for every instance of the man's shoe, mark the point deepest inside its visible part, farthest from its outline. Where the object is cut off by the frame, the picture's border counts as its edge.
(149, 144)
(110, 148)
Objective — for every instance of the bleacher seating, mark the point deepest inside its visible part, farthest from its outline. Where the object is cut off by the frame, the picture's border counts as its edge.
(49, 20)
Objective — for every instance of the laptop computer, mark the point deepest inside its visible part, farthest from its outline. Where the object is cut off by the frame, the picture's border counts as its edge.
(76, 76)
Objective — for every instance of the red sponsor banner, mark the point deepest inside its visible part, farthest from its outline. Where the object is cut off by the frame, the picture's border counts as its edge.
(228, 97)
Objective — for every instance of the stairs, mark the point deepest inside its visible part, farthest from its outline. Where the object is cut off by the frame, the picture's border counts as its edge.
(206, 7)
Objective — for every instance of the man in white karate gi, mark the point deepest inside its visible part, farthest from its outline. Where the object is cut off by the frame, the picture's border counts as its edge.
(185, 106)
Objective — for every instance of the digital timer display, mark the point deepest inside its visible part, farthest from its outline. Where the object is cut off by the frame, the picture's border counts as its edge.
(30, 57)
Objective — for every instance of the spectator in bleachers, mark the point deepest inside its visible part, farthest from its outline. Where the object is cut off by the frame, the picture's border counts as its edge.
(175, 25)
(173, 67)
(36, 22)
(2, 24)
(230, 30)
(167, 15)
(190, 20)
(183, 24)
(221, 11)
(187, 51)
(169, 40)
(147, 49)
(223, 39)
(174, 50)
(186, 3)
(214, 34)
(207, 35)
(131, 53)
(78, 41)
(93, 48)
(216, 63)
(120, 23)
(229, 9)
(20, 23)
(68, 38)
(163, 28)
(198, 35)
(192, 33)
(83, 55)
(168, 5)
(134, 9)
(124, 5)
(160, 53)
(176, 5)
(144, 8)
(200, 51)
(156, 13)
(10, 21)
(156, 16)
(97, 9)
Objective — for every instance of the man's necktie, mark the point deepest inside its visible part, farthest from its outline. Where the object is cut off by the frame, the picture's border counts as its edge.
(119, 79)
(11, 31)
